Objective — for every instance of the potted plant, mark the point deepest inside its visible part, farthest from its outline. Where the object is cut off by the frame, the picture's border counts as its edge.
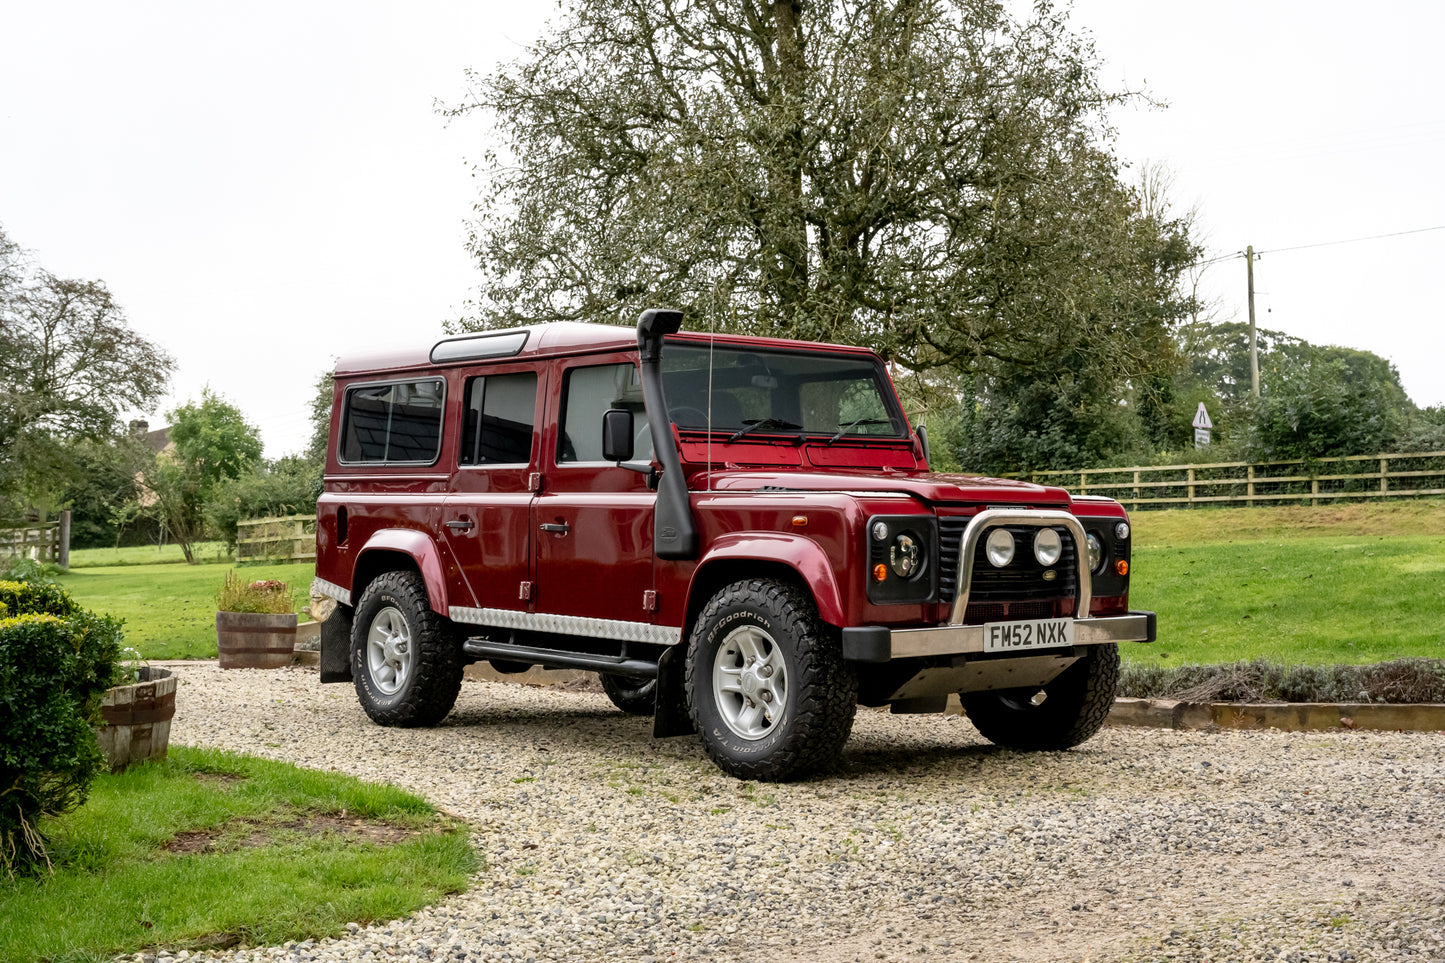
(136, 711)
(255, 623)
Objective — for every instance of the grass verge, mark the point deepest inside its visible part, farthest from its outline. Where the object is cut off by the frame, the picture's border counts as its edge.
(210, 849)
(170, 610)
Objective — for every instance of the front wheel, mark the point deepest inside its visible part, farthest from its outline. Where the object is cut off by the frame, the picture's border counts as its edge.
(1060, 715)
(405, 660)
(766, 683)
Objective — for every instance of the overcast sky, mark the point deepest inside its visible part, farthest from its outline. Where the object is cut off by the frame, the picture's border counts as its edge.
(264, 186)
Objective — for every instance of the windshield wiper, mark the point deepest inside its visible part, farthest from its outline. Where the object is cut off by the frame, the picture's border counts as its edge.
(849, 427)
(763, 424)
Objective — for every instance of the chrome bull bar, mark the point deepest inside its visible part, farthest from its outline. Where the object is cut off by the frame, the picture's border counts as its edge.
(876, 643)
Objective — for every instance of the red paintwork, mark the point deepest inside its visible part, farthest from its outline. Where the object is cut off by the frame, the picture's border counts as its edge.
(604, 564)
(423, 550)
(800, 553)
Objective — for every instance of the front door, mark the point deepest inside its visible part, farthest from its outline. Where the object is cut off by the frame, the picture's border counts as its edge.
(592, 521)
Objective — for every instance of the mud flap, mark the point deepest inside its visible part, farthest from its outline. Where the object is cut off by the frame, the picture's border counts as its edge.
(670, 716)
(336, 645)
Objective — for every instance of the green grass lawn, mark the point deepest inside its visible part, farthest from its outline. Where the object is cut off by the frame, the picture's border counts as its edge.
(205, 552)
(170, 610)
(1348, 583)
(210, 849)
(1337, 583)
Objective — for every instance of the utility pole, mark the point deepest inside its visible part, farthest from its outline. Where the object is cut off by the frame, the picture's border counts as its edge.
(1253, 334)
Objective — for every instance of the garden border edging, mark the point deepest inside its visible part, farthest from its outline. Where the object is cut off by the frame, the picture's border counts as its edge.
(1289, 716)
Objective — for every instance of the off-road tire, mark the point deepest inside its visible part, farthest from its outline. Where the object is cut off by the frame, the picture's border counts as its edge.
(822, 690)
(635, 696)
(1077, 702)
(434, 677)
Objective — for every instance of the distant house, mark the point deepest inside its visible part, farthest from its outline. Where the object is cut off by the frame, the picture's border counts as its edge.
(158, 441)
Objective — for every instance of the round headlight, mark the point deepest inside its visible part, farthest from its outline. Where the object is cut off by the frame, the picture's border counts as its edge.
(1121, 531)
(1048, 547)
(880, 531)
(999, 547)
(905, 557)
(1096, 552)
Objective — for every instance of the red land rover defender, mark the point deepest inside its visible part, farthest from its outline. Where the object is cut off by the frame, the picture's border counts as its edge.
(740, 535)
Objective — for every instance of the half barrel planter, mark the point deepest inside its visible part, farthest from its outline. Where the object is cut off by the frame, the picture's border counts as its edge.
(137, 718)
(255, 640)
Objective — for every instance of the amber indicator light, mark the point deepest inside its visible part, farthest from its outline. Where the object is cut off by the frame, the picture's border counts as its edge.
(1122, 566)
(880, 572)
(800, 521)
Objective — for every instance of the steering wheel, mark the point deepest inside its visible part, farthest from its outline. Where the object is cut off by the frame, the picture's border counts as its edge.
(699, 422)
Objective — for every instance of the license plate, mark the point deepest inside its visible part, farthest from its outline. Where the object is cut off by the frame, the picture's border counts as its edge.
(1032, 634)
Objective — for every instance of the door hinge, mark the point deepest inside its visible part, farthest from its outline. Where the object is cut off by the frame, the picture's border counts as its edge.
(649, 601)
(534, 482)
(524, 591)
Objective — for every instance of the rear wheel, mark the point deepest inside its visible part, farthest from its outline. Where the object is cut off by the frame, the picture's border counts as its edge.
(405, 659)
(635, 696)
(766, 683)
(1060, 715)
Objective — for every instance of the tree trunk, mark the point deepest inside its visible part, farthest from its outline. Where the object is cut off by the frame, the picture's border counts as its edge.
(785, 222)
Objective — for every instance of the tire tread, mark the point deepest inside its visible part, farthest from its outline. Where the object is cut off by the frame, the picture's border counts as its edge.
(436, 664)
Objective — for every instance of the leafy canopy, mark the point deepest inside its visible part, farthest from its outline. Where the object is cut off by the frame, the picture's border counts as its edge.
(931, 178)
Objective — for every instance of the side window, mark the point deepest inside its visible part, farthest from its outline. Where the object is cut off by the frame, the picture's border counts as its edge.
(500, 413)
(587, 393)
(393, 423)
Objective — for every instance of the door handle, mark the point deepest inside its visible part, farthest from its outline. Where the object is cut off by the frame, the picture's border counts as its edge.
(561, 528)
(460, 525)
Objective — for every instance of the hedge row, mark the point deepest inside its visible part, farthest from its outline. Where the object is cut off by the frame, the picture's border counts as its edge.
(56, 663)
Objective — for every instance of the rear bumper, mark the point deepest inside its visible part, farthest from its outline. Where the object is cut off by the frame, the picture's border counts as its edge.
(877, 643)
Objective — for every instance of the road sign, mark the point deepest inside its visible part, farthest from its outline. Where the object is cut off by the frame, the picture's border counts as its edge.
(1201, 419)
(1201, 437)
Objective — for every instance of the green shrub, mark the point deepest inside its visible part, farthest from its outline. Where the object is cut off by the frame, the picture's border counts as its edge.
(36, 598)
(270, 595)
(53, 673)
(1397, 681)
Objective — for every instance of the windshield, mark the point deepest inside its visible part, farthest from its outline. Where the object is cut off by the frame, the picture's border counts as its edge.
(769, 392)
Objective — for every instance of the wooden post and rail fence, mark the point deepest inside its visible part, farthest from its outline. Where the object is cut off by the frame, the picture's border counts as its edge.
(292, 538)
(41, 541)
(1239, 483)
(287, 538)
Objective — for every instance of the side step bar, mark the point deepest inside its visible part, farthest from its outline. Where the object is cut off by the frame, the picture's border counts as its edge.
(559, 659)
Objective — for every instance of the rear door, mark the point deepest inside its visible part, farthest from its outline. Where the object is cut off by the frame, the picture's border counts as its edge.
(486, 519)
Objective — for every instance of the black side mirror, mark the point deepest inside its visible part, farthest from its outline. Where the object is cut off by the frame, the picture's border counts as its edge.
(617, 434)
(923, 443)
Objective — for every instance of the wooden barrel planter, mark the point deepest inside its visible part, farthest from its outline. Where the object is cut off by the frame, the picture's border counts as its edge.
(138, 718)
(255, 640)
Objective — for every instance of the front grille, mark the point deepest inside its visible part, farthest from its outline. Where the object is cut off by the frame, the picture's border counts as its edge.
(1004, 611)
(950, 542)
(1018, 590)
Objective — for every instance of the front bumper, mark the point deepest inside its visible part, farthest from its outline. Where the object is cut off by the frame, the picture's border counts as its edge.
(878, 643)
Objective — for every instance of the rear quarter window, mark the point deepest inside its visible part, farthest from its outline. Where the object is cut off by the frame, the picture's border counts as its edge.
(396, 423)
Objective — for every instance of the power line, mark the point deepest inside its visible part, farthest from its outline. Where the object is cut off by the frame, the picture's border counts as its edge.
(1304, 247)
(1353, 240)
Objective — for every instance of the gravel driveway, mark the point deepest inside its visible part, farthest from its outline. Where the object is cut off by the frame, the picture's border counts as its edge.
(930, 844)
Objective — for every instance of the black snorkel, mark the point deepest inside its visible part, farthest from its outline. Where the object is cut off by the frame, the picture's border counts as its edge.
(674, 530)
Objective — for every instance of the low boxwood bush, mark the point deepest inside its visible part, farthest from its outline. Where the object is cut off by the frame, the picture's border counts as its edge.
(55, 664)
(27, 597)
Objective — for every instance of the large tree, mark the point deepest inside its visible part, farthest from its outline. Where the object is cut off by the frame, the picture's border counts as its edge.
(70, 365)
(932, 178)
